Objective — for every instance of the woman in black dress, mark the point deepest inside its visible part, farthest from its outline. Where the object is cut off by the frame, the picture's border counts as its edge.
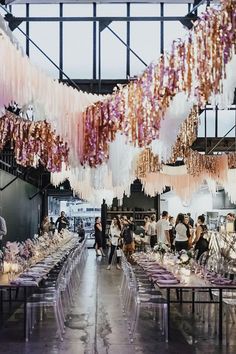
(98, 237)
(202, 245)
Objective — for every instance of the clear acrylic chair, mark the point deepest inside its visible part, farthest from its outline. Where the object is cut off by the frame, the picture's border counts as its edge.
(146, 301)
(58, 291)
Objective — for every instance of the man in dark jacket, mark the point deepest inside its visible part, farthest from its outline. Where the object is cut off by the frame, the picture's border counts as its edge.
(127, 237)
(62, 222)
(81, 233)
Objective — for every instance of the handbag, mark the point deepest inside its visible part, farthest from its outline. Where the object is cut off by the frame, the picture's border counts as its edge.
(118, 252)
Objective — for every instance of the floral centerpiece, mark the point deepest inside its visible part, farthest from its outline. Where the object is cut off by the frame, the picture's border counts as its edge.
(10, 258)
(28, 249)
(11, 250)
(161, 248)
(185, 261)
(20, 255)
(184, 257)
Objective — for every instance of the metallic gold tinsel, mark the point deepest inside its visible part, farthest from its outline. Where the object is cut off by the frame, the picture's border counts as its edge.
(195, 67)
(147, 163)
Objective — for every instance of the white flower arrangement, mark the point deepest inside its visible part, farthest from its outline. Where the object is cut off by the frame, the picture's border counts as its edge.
(184, 257)
(32, 249)
(161, 248)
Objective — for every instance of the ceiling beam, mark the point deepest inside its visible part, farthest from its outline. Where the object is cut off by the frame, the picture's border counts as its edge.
(101, 19)
(6, 2)
(101, 1)
(216, 144)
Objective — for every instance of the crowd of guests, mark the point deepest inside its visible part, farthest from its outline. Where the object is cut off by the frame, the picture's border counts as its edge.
(179, 234)
(62, 222)
(120, 236)
(49, 226)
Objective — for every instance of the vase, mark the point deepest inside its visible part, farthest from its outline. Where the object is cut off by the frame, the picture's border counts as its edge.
(161, 258)
(185, 271)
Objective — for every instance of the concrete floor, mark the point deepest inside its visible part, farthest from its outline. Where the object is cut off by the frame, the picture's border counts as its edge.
(96, 325)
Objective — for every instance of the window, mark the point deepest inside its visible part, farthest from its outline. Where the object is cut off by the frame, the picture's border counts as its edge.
(211, 123)
(111, 10)
(78, 42)
(77, 10)
(144, 37)
(20, 11)
(174, 29)
(46, 36)
(43, 10)
(226, 120)
(78, 49)
(176, 9)
(201, 126)
(113, 52)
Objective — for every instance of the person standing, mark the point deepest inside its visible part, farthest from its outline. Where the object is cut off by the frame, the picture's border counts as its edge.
(131, 223)
(127, 237)
(189, 230)
(201, 243)
(146, 224)
(62, 222)
(181, 239)
(145, 228)
(3, 230)
(191, 221)
(172, 231)
(52, 226)
(162, 229)
(152, 231)
(115, 231)
(81, 232)
(98, 237)
(231, 218)
(45, 225)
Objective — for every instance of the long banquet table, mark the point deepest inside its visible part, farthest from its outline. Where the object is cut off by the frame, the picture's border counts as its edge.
(46, 265)
(193, 283)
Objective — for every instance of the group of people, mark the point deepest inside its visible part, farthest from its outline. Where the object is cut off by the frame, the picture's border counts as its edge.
(120, 236)
(49, 226)
(179, 234)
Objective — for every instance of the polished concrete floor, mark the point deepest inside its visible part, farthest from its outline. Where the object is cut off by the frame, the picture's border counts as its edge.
(96, 325)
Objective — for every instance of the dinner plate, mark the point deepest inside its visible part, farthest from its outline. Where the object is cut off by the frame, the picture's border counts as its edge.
(168, 281)
(157, 271)
(154, 267)
(24, 282)
(222, 281)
